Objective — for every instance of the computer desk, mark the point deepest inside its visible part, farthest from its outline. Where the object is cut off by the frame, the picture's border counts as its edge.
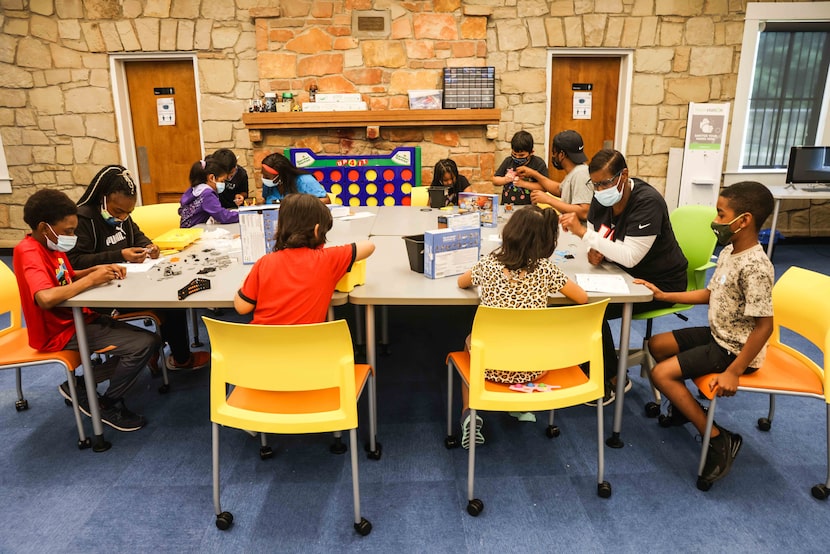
(790, 192)
(152, 290)
(390, 281)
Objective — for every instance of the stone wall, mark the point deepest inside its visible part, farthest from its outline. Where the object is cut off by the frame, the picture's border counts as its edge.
(57, 114)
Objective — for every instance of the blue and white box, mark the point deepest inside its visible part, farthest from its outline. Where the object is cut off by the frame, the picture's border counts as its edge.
(450, 251)
(257, 229)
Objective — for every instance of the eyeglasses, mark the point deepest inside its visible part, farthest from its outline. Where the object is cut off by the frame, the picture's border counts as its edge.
(599, 185)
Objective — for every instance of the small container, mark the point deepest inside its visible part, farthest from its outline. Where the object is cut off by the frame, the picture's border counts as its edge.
(415, 252)
(312, 92)
(270, 102)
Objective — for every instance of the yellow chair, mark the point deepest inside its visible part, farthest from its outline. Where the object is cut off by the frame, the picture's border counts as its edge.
(156, 219)
(691, 226)
(420, 196)
(800, 304)
(289, 379)
(573, 335)
(15, 352)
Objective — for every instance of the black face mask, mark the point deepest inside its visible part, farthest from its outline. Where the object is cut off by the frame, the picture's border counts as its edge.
(556, 163)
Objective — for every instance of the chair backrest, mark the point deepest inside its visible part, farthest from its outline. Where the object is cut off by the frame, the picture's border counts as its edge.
(155, 219)
(691, 225)
(9, 300)
(420, 196)
(571, 335)
(282, 358)
(801, 303)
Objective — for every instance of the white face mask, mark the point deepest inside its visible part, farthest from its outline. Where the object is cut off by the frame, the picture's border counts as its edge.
(65, 242)
(268, 182)
(609, 196)
(220, 187)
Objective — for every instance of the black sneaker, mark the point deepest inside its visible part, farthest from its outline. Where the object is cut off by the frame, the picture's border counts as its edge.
(674, 417)
(119, 417)
(721, 454)
(80, 389)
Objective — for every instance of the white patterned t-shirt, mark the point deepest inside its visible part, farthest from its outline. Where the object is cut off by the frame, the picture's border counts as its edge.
(741, 290)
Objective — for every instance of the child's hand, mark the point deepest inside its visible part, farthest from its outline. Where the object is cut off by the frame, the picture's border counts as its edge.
(540, 197)
(658, 294)
(135, 254)
(726, 383)
(238, 199)
(106, 273)
(152, 251)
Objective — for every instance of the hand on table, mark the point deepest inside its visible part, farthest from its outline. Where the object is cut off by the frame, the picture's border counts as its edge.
(656, 292)
(238, 199)
(106, 273)
(135, 254)
(594, 257)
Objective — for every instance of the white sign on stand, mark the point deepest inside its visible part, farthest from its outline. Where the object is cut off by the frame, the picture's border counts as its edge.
(703, 155)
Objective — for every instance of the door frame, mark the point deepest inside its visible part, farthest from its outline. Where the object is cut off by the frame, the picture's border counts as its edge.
(626, 57)
(121, 101)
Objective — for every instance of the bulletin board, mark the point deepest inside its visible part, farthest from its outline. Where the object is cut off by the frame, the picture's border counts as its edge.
(371, 180)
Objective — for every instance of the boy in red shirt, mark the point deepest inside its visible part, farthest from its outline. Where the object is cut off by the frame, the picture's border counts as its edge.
(45, 279)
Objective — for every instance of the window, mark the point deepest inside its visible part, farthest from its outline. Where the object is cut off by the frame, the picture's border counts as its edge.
(782, 97)
(787, 91)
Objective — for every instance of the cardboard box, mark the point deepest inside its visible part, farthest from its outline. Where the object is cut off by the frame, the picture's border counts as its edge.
(470, 220)
(450, 251)
(486, 204)
(338, 97)
(334, 106)
(425, 99)
(257, 229)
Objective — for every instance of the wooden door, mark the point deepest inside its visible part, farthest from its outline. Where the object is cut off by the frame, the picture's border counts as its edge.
(571, 75)
(164, 152)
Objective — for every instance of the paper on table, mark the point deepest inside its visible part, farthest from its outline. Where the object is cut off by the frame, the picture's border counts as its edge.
(358, 215)
(142, 267)
(614, 284)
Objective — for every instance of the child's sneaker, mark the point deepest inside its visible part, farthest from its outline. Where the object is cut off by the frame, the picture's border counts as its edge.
(119, 417)
(721, 454)
(80, 389)
(197, 360)
(465, 429)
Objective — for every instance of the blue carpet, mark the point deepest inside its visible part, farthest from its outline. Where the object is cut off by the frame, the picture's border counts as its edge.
(152, 491)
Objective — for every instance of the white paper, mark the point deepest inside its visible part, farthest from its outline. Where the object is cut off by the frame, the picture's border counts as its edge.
(358, 215)
(142, 267)
(612, 284)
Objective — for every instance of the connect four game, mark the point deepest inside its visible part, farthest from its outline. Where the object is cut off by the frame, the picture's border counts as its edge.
(371, 180)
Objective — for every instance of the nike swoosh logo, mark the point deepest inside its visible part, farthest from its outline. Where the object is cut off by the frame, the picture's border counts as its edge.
(643, 226)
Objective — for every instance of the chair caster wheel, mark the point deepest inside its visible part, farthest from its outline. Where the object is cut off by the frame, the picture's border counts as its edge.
(376, 453)
(451, 441)
(820, 491)
(703, 484)
(652, 409)
(338, 447)
(364, 527)
(475, 507)
(265, 452)
(84, 444)
(164, 389)
(764, 424)
(604, 489)
(552, 431)
(224, 521)
(21, 405)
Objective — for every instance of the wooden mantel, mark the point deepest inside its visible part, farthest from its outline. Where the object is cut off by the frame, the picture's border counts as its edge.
(371, 118)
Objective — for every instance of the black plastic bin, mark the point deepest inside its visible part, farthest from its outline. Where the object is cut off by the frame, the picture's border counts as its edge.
(415, 251)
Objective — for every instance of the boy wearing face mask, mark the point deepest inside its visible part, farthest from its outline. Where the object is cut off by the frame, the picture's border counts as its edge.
(516, 187)
(740, 321)
(45, 279)
(574, 193)
(628, 224)
(200, 203)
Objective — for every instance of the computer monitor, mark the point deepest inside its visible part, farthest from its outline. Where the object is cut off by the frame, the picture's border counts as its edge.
(809, 165)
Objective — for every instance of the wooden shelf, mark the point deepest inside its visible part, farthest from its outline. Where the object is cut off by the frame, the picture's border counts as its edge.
(381, 118)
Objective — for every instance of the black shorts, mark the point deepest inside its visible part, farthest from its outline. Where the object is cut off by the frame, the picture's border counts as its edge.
(699, 354)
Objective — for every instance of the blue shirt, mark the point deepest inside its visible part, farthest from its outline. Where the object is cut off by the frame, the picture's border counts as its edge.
(306, 184)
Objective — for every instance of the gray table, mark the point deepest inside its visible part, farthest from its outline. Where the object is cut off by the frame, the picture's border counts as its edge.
(790, 192)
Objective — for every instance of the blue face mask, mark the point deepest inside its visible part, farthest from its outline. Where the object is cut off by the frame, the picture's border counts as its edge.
(609, 196)
(519, 161)
(65, 242)
(220, 187)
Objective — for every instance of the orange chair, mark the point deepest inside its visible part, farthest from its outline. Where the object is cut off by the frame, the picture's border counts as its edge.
(15, 352)
(801, 304)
